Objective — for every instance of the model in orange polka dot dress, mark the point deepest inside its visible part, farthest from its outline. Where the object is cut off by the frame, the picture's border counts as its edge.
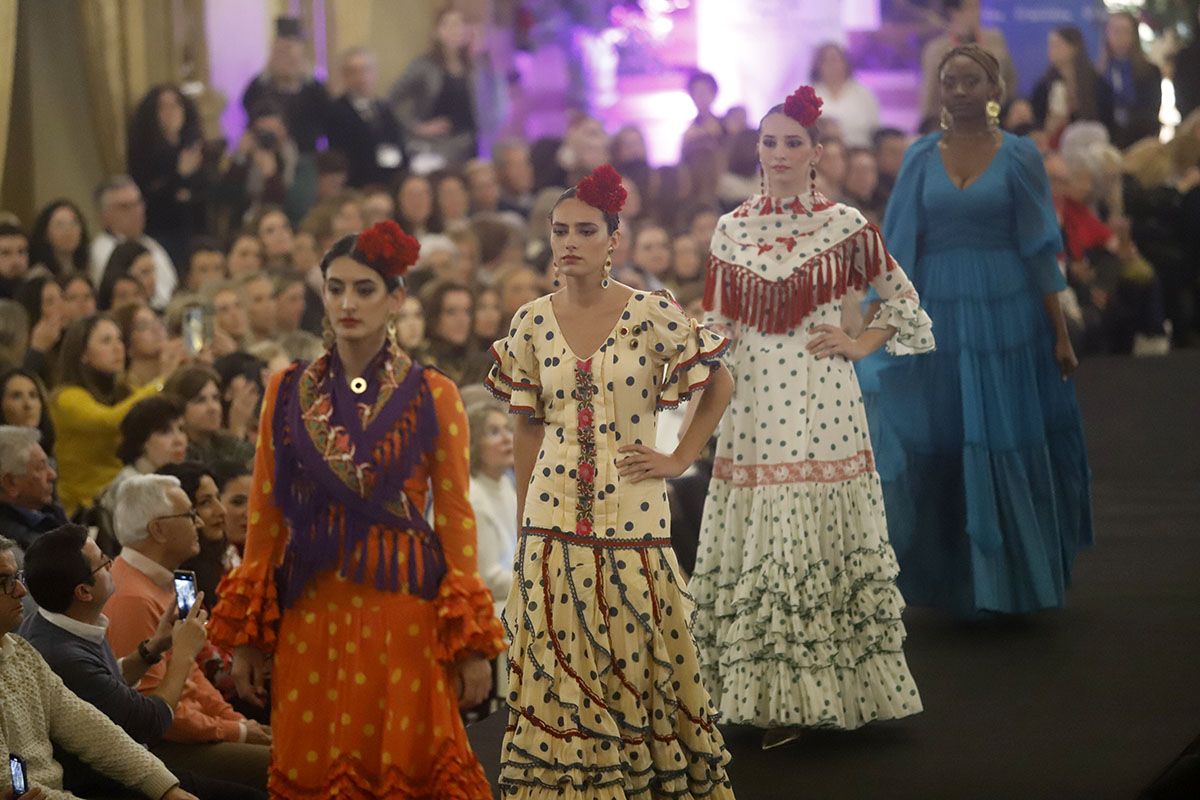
(375, 622)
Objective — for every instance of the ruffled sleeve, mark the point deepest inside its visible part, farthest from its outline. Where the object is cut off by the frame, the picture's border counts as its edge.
(247, 611)
(514, 375)
(688, 352)
(1035, 222)
(466, 618)
(900, 308)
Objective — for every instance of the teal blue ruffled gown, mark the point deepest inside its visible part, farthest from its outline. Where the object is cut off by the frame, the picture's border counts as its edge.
(979, 444)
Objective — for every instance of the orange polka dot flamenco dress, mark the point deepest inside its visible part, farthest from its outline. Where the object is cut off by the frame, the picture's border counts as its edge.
(364, 605)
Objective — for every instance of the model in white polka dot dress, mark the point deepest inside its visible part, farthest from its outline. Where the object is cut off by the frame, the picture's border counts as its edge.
(798, 618)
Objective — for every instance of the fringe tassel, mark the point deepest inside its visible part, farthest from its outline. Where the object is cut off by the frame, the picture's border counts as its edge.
(777, 306)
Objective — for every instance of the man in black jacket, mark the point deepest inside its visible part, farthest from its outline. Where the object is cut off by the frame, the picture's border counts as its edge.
(1187, 73)
(362, 127)
(27, 506)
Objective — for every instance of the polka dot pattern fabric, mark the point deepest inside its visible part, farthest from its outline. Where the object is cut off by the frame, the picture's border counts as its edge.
(605, 700)
(798, 615)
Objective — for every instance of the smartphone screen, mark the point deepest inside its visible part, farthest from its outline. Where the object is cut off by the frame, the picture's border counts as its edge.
(185, 591)
(16, 769)
(193, 330)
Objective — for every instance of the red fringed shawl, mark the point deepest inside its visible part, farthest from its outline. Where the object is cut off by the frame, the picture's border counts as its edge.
(773, 261)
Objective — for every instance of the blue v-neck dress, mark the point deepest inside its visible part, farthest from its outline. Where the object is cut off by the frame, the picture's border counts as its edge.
(980, 444)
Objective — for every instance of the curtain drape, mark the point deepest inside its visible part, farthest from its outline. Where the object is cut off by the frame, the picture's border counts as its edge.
(8, 65)
(114, 48)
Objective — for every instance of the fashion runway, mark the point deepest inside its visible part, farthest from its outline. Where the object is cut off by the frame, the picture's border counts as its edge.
(1087, 703)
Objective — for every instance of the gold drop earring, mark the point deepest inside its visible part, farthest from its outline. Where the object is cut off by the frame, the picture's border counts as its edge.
(556, 281)
(993, 114)
(607, 269)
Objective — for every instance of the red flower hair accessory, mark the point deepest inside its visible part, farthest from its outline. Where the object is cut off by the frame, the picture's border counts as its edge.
(804, 106)
(388, 248)
(603, 190)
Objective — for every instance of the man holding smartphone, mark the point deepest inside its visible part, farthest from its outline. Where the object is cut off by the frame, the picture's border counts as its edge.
(71, 580)
(40, 713)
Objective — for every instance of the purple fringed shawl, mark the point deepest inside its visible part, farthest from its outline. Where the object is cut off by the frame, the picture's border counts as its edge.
(336, 481)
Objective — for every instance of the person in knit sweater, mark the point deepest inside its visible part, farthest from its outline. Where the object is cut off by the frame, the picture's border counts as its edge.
(39, 713)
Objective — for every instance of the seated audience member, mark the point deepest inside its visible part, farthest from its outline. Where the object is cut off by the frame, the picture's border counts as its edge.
(206, 264)
(71, 580)
(27, 505)
(741, 177)
(831, 169)
(245, 256)
(123, 214)
(87, 409)
(649, 262)
(291, 301)
(79, 297)
(14, 257)
(414, 207)
(41, 298)
(129, 260)
(274, 230)
(332, 171)
(890, 145)
(377, 205)
(263, 168)
(688, 261)
(14, 333)
(493, 495)
(40, 714)
(258, 297)
(514, 170)
(862, 180)
(483, 185)
(23, 403)
(151, 437)
(59, 244)
(516, 285)
(449, 318)
(157, 527)
(144, 337)
(489, 320)
(410, 329)
(200, 485)
(229, 312)
(453, 205)
(234, 481)
(208, 440)
(242, 384)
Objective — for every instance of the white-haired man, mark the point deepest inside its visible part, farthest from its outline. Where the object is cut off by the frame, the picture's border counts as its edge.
(39, 712)
(27, 506)
(158, 530)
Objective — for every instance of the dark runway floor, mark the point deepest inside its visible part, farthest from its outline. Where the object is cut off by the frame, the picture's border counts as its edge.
(1087, 703)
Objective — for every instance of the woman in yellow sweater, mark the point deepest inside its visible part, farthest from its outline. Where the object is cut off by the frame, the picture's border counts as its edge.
(88, 406)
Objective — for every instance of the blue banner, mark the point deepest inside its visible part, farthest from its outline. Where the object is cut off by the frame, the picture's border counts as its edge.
(1026, 23)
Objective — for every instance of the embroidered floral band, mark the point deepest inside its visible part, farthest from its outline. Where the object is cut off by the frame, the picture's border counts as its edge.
(813, 471)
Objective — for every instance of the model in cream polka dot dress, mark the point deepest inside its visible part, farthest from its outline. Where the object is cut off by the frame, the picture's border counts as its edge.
(798, 618)
(604, 696)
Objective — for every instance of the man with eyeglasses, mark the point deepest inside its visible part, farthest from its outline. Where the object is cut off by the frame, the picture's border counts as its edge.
(71, 580)
(40, 713)
(158, 530)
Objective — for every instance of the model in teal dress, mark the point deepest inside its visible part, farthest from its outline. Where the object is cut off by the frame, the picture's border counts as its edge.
(980, 444)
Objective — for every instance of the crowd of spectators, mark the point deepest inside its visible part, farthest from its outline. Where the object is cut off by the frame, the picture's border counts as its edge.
(133, 358)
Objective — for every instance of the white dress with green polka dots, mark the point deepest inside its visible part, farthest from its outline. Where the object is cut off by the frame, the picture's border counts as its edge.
(798, 614)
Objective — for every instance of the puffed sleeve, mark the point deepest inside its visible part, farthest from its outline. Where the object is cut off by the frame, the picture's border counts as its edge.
(466, 618)
(1035, 222)
(514, 375)
(247, 612)
(899, 308)
(688, 352)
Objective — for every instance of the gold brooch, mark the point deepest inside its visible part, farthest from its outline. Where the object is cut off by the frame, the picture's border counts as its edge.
(358, 385)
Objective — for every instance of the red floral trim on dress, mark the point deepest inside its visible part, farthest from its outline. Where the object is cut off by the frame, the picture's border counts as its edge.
(709, 358)
(585, 470)
(247, 613)
(812, 471)
(502, 386)
(456, 775)
(466, 619)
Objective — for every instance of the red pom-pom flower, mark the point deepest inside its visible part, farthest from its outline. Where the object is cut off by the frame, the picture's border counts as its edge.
(603, 190)
(804, 106)
(388, 248)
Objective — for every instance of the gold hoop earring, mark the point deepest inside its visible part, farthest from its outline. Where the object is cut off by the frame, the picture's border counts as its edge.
(945, 120)
(607, 269)
(393, 331)
(993, 114)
